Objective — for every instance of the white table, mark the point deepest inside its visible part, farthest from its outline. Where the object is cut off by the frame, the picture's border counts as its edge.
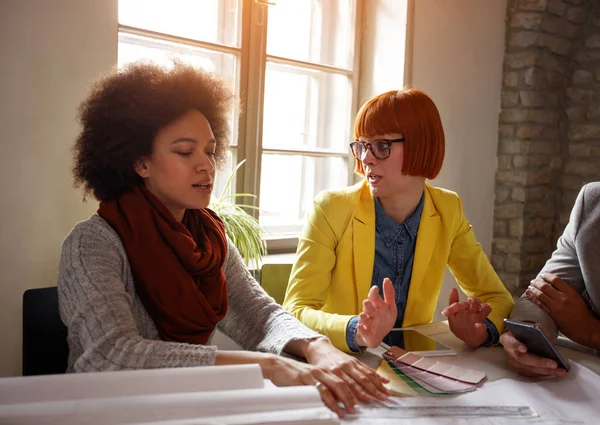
(490, 360)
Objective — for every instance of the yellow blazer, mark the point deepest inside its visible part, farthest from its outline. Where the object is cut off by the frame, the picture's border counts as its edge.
(336, 252)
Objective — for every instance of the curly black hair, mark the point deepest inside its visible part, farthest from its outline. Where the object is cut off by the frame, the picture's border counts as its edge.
(125, 110)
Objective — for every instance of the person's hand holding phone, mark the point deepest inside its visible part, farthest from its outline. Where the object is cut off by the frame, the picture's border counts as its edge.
(466, 319)
(525, 363)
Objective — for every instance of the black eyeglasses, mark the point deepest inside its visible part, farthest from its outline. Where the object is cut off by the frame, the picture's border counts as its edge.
(380, 149)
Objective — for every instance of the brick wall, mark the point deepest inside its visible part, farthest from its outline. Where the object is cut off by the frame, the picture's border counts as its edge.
(549, 130)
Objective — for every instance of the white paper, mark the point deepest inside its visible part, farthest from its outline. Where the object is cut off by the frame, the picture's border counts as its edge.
(472, 421)
(317, 415)
(574, 399)
(75, 386)
(166, 407)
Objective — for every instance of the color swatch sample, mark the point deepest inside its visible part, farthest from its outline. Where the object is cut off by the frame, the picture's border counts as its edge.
(469, 376)
(433, 383)
(400, 384)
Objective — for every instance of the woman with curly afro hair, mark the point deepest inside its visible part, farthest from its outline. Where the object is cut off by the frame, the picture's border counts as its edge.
(144, 282)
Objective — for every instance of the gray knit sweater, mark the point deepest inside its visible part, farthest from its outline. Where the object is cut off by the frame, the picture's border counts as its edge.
(109, 328)
(576, 260)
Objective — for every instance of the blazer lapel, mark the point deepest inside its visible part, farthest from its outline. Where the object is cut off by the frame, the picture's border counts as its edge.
(363, 242)
(426, 237)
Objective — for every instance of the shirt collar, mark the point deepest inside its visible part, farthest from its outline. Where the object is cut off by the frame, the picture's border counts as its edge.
(389, 228)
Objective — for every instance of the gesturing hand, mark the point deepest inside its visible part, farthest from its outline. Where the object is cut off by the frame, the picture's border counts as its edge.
(466, 319)
(378, 316)
(566, 307)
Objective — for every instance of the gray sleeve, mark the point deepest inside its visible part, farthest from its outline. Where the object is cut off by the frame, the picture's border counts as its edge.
(254, 320)
(98, 310)
(563, 263)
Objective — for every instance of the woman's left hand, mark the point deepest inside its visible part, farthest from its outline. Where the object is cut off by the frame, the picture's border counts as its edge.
(365, 383)
(563, 304)
(466, 319)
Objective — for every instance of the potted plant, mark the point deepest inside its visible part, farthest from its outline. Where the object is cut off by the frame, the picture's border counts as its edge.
(242, 228)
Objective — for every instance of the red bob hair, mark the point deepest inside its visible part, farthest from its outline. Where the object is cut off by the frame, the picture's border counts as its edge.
(413, 114)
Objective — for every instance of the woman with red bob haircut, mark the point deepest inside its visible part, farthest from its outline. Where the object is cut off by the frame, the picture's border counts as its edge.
(393, 234)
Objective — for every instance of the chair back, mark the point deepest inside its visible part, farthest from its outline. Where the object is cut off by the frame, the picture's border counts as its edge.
(274, 279)
(45, 348)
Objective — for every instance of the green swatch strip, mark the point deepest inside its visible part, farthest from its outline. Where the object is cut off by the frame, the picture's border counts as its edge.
(412, 384)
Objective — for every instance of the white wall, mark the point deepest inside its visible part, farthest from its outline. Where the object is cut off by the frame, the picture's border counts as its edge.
(382, 47)
(50, 52)
(458, 51)
(457, 54)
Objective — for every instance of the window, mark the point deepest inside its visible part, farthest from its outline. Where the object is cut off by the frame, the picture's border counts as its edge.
(293, 66)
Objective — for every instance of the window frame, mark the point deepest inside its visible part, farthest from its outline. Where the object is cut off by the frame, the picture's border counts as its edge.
(252, 58)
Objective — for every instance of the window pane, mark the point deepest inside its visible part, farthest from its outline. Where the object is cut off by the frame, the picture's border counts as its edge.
(306, 109)
(133, 47)
(288, 185)
(319, 31)
(214, 21)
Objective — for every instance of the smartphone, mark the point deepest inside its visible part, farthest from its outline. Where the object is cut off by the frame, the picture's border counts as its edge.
(535, 340)
(415, 342)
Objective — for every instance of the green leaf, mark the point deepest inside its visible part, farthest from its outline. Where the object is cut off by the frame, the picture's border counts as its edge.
(242, 228)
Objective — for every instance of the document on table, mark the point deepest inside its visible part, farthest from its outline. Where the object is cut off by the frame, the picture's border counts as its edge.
(167, 396)
(558, 401)
(72, 386)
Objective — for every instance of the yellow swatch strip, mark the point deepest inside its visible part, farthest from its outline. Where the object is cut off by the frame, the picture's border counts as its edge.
(397, 386)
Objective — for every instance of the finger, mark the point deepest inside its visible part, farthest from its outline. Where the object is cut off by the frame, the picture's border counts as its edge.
(373, 294)
(368, 307)
(536, 301)
(473, 300)
(389, 296)
(375, 298)
(355, 385)
(329, 399)
(531, 297)
(532, 361)
(364, 321)
(453, 296)
(357, 390)
(559, 283)
(509, 342)
(368, 387)
(525, 363)
(536, 371)
(455, 308)
(340, 389)
(484, 311)
(542, 297)
(474, 305)
(545, 287)
(376, 378)
(480, 311)
(369, 380)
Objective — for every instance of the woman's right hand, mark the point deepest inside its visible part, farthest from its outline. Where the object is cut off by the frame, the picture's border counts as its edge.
(286, 372)
(527, 364)
(378, 316)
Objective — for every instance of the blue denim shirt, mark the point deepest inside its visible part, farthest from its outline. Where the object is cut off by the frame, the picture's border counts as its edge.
(394, 257)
